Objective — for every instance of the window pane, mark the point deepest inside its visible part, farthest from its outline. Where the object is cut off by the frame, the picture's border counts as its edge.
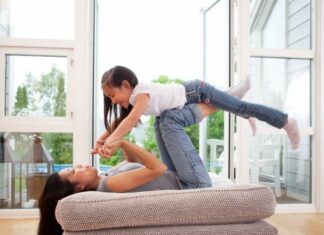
(272, 162)
(26, 160)
(284, 84)
(44, 19)
(178, 35)
(281, 24)
(216, 55)
(35, 86)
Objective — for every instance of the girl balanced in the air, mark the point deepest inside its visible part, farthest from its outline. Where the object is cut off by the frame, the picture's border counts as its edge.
(125, 101)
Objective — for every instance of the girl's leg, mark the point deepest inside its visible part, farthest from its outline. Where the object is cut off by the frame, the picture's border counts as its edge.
(165, 156)
(239, 92)
(240, 89)
(188, 164)
(201, 92)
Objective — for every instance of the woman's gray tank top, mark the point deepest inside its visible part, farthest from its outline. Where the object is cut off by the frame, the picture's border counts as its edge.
(167, 181)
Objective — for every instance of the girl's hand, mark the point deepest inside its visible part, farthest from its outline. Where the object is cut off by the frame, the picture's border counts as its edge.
(110, 148)
(97, 147)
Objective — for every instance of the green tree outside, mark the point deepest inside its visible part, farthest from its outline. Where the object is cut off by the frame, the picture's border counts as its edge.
(21, 99)
(215, 123)
(48, 96)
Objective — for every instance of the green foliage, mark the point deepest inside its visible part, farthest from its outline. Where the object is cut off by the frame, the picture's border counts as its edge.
(149, 142)
(59, 146)
(215, 124)
(21, 99)
(48, 96)
(163, 79)
(60, 97)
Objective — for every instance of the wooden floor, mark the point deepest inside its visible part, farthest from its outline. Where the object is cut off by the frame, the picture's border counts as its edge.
(297, 224)
(287, 224)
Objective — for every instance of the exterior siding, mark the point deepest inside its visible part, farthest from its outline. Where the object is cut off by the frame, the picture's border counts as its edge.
(298, 166)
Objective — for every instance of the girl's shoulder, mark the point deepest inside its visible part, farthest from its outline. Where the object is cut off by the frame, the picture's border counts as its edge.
(145, 88)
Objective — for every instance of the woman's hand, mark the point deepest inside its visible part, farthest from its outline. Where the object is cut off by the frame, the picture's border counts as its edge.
(110, 148)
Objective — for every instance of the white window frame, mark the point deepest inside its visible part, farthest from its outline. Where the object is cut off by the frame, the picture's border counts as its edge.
(319, 107)
(78, 120)
(40, 124)
(245, 53)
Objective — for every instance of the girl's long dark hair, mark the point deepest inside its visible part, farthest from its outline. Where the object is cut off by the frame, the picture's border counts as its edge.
(114, 78)
(54, 190)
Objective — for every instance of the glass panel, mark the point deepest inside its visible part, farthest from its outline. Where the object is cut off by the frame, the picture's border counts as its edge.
(35, 86)
(26, 160)
(281, 24)
(273, 163)
(42, 19)
(284, 84)
(217, 73)
(167, 45)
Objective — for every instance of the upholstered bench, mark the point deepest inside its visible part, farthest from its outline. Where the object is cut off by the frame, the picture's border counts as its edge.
(225, 209)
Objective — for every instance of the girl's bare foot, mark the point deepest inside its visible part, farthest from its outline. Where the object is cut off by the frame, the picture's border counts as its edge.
(240, 89)
(291, 127)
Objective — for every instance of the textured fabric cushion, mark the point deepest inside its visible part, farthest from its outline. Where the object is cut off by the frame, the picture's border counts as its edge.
(225, 204)
(258, 228)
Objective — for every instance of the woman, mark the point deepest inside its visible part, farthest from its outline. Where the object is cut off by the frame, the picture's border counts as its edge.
(140, 172)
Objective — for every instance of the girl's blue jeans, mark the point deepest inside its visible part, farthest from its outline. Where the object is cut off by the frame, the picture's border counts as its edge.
(201, 92)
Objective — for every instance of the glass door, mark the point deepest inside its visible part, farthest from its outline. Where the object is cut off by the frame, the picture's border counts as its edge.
(216, 129)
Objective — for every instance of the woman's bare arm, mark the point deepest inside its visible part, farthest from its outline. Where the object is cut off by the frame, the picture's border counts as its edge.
(125, 181)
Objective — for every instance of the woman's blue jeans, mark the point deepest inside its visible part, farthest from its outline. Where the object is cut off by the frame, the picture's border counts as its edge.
(201, 92)
(176, 149)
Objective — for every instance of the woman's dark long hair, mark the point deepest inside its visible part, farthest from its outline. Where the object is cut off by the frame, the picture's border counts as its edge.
(54, 190)
(114, 78)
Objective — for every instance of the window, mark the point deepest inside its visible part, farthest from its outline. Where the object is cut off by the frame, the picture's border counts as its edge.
(157, 44)
(35, 85)
(282, 77)
(45, 118)
(37, 19)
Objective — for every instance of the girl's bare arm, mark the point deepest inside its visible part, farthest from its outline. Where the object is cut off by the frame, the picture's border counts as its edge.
(131, 120)
(99, 142)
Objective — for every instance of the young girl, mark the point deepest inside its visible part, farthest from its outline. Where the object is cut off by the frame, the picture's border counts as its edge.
(128, 100)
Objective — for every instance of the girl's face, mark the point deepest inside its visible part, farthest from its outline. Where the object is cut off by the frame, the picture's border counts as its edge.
(83, 176)
(118, 95)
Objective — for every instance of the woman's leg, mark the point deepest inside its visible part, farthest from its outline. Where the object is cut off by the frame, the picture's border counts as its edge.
(186, 161)
(165, 156)
(237, 91)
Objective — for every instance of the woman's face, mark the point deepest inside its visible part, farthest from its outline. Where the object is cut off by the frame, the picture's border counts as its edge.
(83, 176)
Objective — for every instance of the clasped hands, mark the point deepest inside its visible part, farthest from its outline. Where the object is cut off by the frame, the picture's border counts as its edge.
(106, 149)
